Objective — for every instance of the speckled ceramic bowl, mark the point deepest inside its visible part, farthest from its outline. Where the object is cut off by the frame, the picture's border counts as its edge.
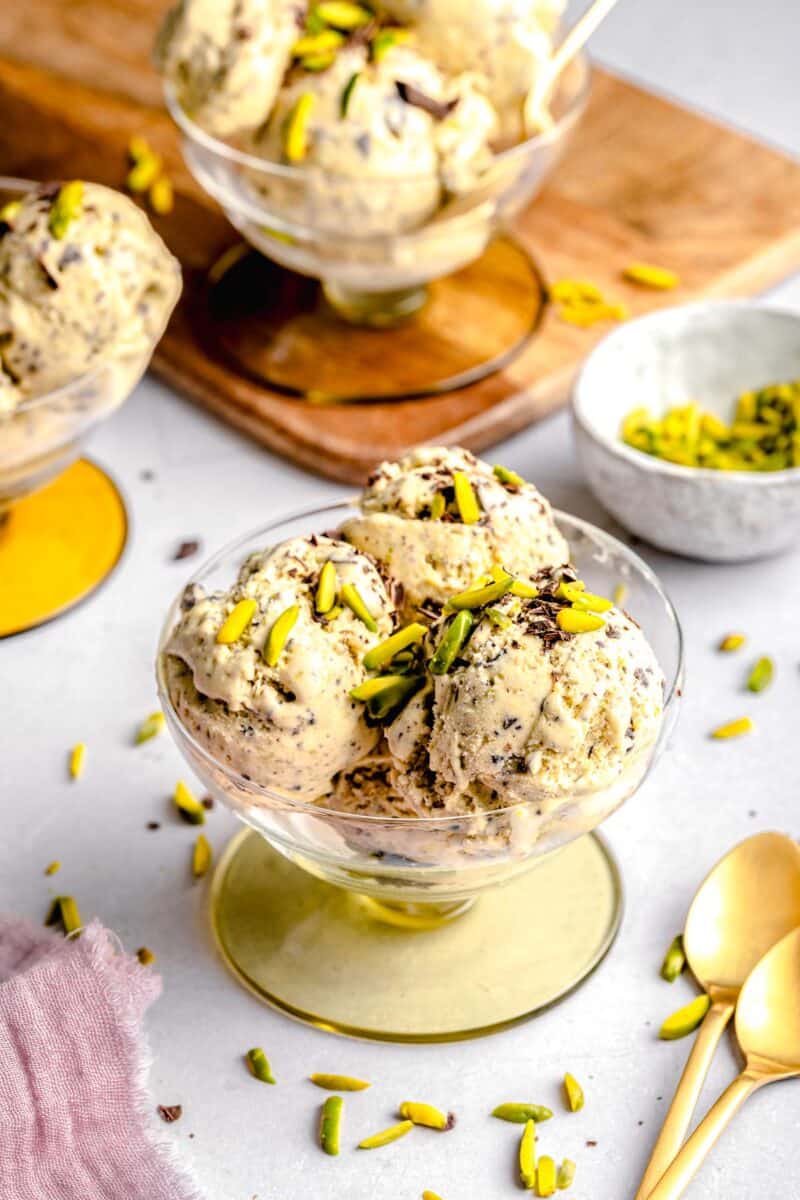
(708, 352)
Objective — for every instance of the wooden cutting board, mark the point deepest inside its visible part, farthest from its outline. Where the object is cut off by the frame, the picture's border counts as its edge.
(644, 180)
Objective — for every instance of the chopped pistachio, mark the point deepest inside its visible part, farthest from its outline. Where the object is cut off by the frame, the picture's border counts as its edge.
(649, 276)
(731, 642)
(466, 500)
(386, 1136)
(620, 594)
(571, 620)
(371, 688)
(333, 613)
(145, 956)
(388, 703)
(258, 1065)
(761, 675)
(338, 1083)
(384, 652)
(518, 1114)
(66, 207)
(674, 960)
(296, 140)
(64, 911)
(683, 1022)
(479, 597)
(386, 39)
(150, 727)
(326, 42)
(188, 805)
(326, 588)
(330, 1124)
(236, 622)
(573, 1093)
(527, 1155)
(525, 591)
(77, 760)
(545, 1176)
(498, 618)
(429, 1195)
(279, 634)
(138, 148)
(589, 602)
(437, 507)
(341, 14)
(317, 62)
(510, 478)
(424, 1114)
(355, 602)
(162, 196)
(201, 857)
(452, 642)
(144, 173)
(347, 93)
(566, 1175)
(53, 868)
(733, 729)
(9, 211)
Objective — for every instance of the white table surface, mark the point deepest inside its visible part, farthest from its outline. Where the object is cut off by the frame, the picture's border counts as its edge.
(89, 677)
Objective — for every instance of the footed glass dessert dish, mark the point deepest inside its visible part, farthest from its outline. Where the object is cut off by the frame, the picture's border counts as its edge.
(365, 287)
(406, 927)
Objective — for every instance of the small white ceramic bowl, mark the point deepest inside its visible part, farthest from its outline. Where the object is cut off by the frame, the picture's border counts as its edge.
(709, 352)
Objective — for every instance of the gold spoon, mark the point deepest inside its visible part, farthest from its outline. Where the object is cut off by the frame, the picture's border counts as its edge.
(749, 901)
(768, 1029)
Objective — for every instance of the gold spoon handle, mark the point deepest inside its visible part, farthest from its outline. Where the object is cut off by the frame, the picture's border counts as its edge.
(683, 1168)
(684, 1102)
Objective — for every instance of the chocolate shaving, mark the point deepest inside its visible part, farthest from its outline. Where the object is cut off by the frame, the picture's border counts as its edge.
(153, 824)
(170, 1112)
(186, 550)
(438, 109)
(207, 802)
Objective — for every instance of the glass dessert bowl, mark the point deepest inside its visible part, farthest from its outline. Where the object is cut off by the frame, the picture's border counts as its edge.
(384, 249)
(373, 924)
(63, 524)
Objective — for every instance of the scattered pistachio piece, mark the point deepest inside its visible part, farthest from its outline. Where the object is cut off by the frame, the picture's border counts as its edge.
(279, 634)
(64, 911)
(566, 1175)
(330, 1124)
(761, 675)
(384, 652)
(162, 196)
(296, 132)
(733, 729)
(145, 956)
(424, 1114)
(333, 613)
(341, 14)
(545, 1176)
(52, 868)
(338, 1083)
(236, 622)
(527, 1155)
(581, 303)
(437, 507)
(326, 42)
(9, 211)
(573, 1092)
(731, 642)
(317, 62)
(258, 1065)
(326, 588)
(371, 688)
(386, 705)
(347, 93)
(354, 601)
(77, 760)
(202, 855)
(519, 1114)
(138, 148)
(652, 277)
(144, 173)
(466, 500)
(589, 602)
(428, 1195)
(525, 591)
(188, 805)
(683, 1022)
(620, 594)
(479, 597)
(66, 207)
(571, 620)
(674, 960)
(386, 39)
(386, 1136)
(510, 478)
(150, 727)
(452, 642)
(499, 619)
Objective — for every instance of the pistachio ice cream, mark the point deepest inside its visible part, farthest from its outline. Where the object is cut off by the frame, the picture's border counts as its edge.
(273, 704)
(434, 544)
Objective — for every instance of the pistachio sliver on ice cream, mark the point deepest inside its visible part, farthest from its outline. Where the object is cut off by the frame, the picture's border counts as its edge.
(272, 700)
(412, 523)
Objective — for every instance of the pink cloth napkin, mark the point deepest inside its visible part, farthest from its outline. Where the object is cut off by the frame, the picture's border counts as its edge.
(76, 1122)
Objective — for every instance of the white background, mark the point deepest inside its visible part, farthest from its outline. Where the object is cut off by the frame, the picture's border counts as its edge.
(89, 677)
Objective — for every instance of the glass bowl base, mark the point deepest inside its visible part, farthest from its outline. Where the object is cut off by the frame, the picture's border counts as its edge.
(330, 344)
(333, 959)
(57, 545)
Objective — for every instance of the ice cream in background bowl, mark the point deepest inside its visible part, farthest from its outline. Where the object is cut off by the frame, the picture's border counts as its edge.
(86, 289)
(477, 738)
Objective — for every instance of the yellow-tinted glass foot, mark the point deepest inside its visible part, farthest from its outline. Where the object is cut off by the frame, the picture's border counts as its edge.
(324, 955)
(57, 545)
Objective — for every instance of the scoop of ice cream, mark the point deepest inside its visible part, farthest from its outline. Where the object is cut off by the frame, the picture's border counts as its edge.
(503, 42)
(226, 58)
(83, 277)
(381, 140)
(435, 557)
(291, 726)
(528, 712)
